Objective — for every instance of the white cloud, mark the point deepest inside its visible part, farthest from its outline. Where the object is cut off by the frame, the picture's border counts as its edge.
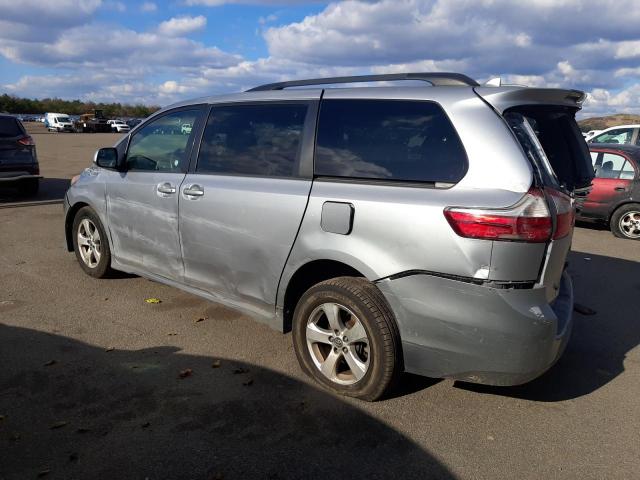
(114, 5)
(40, 13)
(121, 48)
(545, 43)
(148, 7)
(268, 19)
(179, 26)
(217, 3)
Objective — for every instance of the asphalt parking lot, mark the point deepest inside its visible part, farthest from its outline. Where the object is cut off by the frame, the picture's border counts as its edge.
(91, 387)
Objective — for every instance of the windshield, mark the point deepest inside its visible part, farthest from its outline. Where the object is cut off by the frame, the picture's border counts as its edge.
(63, 119)
(552, 140)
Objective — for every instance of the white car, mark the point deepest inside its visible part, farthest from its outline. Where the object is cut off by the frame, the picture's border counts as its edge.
(591, 133)
(621, 134)
(118, 126)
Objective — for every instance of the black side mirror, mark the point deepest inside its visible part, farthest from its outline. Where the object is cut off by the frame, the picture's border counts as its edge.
(106, 158)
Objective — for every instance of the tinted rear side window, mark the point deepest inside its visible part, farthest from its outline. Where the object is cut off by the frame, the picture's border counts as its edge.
(388, 140)
(262, 140)
(9, 127)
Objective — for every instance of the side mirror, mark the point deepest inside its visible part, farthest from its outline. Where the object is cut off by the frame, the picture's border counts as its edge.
(106, 158)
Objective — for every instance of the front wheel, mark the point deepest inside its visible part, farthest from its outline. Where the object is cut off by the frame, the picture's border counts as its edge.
(625, 221)
(91, 244)
(346, 338)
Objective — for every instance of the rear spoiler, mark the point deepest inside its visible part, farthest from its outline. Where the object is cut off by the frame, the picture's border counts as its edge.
(504, 98)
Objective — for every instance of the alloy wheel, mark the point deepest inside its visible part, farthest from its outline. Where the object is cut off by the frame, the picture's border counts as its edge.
(629, 224)
(338, 343)
(89, 243)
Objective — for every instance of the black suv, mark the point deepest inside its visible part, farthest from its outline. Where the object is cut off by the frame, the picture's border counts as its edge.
(18, 160)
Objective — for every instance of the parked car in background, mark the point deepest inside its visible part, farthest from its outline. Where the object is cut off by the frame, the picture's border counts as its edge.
(133, 122)
(92, 123)
(369, 221)
(590, 134)
(623, 134)
(118, 126)
(58, 122)
(18, 160)
(615, 195)
(185, 129)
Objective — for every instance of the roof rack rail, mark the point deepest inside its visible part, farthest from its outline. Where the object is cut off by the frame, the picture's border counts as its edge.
(437, 79)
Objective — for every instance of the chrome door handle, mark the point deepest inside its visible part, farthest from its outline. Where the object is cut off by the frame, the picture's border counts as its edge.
(166, 188)
(193, 191)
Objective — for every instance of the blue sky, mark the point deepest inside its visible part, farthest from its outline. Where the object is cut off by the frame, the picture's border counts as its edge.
(158, 52)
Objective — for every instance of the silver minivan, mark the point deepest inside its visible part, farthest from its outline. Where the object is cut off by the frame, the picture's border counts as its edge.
(417, 228)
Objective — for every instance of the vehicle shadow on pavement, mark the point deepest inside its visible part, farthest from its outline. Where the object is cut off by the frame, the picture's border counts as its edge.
(72, 410)
(52, 190)
(599, 343)
(592, 225)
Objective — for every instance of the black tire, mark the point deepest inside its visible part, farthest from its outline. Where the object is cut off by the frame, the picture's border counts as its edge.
(369, 306)
(102, 268)
(30, 188)
(632, 211)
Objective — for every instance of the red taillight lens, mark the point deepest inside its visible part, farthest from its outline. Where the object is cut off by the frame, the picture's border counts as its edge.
(26, 141)
(527, 221)
(499, 227)
(565, 213)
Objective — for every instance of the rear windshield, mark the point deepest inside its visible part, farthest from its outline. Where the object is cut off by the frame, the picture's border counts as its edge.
(552, 140)
(394, 140)
(9, 127)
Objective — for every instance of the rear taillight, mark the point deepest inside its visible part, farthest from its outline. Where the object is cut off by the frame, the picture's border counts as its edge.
(26, 141)
(565, 213)
(529, 220)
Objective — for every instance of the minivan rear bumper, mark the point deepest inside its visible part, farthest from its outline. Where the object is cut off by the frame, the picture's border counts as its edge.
(478, 333)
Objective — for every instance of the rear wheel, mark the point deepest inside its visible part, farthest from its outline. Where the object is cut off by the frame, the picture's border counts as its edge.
(90, 244)
(346, 338)
(625, 221)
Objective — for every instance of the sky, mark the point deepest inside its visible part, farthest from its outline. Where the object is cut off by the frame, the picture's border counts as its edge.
(158, 52)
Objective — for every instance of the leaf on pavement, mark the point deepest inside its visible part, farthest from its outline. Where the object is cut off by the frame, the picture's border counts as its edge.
(187, 372)
(58, 425)
(44, 472)
(109, 349)
(200, 319)
(584, 310)
(241, 370)
(50, 362)
(153, 300)
(215, 364)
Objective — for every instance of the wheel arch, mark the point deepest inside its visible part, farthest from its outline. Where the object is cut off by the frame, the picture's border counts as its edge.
(307, 275)
(627, 201)
(68, 223)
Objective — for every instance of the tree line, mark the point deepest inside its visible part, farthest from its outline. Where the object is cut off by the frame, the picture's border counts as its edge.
(12, 104)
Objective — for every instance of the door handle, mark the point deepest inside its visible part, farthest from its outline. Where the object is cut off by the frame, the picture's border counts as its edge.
(166, 188)
(619, 189)
(193, 191)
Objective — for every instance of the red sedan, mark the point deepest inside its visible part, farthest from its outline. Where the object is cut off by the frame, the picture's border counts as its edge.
(615, 196)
